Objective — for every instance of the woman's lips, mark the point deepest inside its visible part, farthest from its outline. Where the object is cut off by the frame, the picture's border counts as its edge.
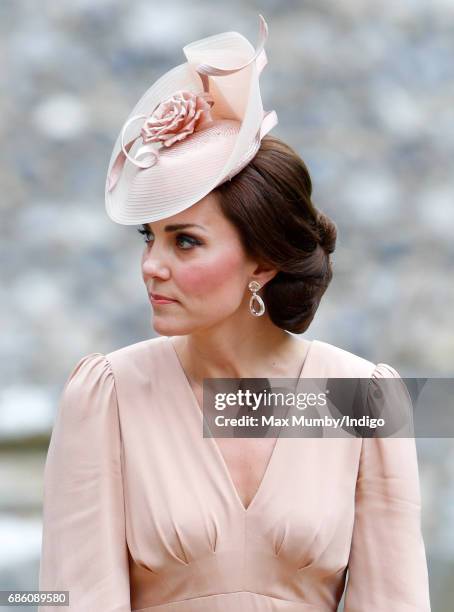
(160, 300)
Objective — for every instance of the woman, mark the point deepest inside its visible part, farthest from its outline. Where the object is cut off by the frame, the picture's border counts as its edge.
(141, 512)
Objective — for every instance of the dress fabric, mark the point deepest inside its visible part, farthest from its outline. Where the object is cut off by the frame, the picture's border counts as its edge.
(141, 513)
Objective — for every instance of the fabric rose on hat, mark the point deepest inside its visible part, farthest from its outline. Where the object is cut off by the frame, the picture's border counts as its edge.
(177, 117)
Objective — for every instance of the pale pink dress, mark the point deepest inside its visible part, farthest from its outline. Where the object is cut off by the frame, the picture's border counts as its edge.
(141, 513)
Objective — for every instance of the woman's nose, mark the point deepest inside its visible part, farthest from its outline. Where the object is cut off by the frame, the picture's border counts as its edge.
(154, 265)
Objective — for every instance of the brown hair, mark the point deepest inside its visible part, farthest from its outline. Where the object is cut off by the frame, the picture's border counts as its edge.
(269, 203)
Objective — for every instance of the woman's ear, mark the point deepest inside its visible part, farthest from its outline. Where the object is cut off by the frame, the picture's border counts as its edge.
(263, 273)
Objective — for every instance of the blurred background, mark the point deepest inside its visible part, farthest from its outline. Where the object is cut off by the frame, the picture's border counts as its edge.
(364, 91)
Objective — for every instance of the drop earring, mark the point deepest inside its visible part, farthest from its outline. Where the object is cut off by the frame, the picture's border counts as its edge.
(254, 286)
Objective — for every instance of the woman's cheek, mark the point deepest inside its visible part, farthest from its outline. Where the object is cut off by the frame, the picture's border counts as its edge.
(212, 275)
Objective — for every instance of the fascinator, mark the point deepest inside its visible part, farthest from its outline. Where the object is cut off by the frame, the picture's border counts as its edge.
(196, 127)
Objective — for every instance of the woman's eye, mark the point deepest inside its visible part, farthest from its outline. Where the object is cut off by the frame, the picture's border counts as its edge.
(181, 239)
(188, 240)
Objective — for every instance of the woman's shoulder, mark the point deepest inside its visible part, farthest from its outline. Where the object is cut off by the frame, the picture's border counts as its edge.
(332, 360)
(88, 398)
(100, 370)
(91, 372)
(93, 386)
(139, 355)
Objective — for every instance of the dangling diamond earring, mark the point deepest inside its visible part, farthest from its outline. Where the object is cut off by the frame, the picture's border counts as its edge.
(254, 286)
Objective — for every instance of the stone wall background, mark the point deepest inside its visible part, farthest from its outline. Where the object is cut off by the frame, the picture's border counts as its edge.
(364, 91)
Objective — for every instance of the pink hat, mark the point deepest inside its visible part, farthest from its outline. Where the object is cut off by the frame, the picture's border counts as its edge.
(194, 128)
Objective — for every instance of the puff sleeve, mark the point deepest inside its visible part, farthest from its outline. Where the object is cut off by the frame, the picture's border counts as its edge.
(387, 568)
(84, 546)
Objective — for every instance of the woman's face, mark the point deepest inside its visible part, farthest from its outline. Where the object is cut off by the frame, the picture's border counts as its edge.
(203, 267)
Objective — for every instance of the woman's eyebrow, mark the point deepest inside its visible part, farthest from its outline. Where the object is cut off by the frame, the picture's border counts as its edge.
(177, 226)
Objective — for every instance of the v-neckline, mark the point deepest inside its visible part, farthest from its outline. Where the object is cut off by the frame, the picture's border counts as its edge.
(214, 445)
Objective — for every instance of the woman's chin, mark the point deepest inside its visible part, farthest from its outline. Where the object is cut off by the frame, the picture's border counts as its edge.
(165, 326)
